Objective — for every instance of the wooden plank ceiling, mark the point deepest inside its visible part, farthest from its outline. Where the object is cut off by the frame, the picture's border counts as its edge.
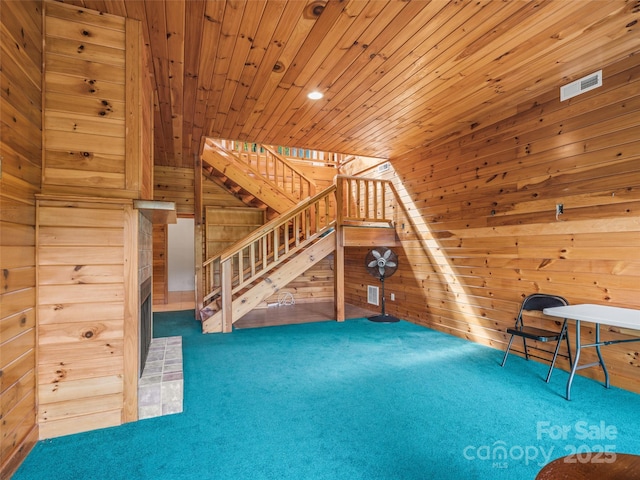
(396, 75)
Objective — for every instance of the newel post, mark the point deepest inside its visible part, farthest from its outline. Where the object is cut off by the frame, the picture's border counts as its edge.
(198, 233)
(338, 270)
(227, 312)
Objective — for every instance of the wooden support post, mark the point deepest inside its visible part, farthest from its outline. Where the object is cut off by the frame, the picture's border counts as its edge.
(384, 201)
(338, 258)
(198, 242)
(252, 258)
(367, 203)
(131, 327)
(227, 312)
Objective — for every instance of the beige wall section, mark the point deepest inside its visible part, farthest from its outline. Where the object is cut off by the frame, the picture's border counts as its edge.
(487, 235)
(20, 175)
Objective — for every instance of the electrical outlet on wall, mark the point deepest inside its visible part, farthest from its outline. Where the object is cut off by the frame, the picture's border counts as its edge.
(393, 297)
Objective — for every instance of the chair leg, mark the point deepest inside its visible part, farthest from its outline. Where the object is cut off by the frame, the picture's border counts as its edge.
(526, 352)
(506, 353)
(553, 361)
(563, 335)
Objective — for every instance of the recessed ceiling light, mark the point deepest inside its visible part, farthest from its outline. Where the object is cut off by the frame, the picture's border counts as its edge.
(315, 95)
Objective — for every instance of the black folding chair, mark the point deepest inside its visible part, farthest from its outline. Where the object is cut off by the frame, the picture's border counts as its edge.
(538, 302)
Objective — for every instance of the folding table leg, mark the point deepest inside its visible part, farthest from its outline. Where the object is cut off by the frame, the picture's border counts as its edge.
(604, 368)
(574, 367)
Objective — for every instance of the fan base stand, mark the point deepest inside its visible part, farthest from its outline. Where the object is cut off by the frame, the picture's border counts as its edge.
(383, 319)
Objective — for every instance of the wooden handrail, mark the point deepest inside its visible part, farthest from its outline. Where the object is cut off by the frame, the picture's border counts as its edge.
(269, 245)
(302, 178)
(270, 225)
(264, 161)
(358, 200)
(365, 199)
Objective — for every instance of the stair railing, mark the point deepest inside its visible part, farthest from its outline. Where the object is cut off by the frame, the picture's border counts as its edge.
(363, 200)
(268, 246)
(265, 160)
(350, 201)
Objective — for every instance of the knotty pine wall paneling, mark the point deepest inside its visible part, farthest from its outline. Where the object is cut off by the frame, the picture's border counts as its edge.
(314, 285)
(20, 180)
(98, 106)
(484, 203)
(176, 184)
(89, 266)
(97, 156)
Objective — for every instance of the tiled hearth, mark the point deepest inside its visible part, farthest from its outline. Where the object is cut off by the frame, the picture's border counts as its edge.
(160, 388)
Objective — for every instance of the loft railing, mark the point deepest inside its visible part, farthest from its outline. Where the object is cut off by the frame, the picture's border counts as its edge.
(332, 159)
(365, 200)
(241, 264)
(267, 162)
(306, 154)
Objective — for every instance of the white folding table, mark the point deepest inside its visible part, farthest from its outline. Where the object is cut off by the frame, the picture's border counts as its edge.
(599, 315)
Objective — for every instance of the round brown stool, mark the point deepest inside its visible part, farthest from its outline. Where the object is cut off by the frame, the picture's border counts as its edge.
(601, 466)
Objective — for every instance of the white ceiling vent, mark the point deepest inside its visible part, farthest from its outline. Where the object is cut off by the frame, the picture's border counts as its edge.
(580, 86)
(384, 167)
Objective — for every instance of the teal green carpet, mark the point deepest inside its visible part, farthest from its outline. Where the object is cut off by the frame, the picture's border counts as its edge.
(353, 400)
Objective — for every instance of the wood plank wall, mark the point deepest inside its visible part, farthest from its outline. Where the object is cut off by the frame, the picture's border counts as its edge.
(95, 162)
(175, 184)
(224, 226)
(20, 175)
(314, 285)
(146, 133)
(85, 102)
(487, 236)
(322, 175)
(160, 264)
(81, 314)
(98, 115)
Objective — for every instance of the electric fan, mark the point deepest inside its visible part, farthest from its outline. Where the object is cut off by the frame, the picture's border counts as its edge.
(382, 263)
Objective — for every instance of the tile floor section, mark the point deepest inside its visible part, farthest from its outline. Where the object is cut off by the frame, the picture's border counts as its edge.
(161, 386)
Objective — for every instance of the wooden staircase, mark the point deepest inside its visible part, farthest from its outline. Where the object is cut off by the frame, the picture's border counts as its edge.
(301, 231)
(260, 178)
(262, 288)
(256, 267)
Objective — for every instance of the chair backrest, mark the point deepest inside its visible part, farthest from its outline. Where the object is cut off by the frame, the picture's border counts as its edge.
(540, 301)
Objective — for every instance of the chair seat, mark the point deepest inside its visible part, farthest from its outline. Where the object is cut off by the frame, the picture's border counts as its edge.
(538, 302)
(533, 333)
